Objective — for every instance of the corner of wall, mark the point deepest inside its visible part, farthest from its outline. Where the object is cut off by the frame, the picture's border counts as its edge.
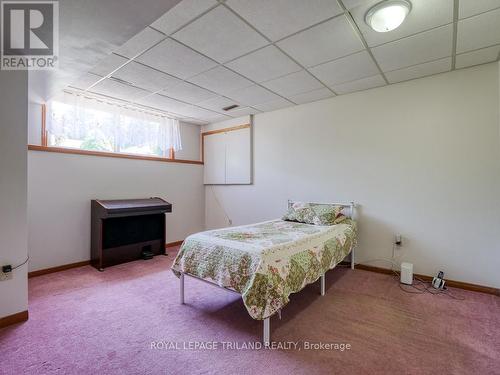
(13, 190)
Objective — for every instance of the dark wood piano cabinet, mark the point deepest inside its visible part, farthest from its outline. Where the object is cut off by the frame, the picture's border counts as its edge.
(122, 229)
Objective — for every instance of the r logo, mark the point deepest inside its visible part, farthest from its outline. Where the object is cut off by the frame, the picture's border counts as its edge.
(29, 29)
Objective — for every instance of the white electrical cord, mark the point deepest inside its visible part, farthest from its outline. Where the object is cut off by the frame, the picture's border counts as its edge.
(229, 221)
(426, 288)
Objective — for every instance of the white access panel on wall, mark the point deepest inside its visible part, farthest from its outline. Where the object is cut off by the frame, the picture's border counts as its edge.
(215, 159)
(238, 153)
(228, 156)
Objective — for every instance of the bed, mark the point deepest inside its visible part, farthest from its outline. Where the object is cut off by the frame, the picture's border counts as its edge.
(266, 262)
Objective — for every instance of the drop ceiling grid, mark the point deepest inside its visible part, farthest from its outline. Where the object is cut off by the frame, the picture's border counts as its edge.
(288, 98)
(218, 64)
(281, 50)
(234, 71)
(231, 70)
(150, 93)
(187, 80)
(162, 90)
(455, 31)
(360, 35)
(157, 92)
(109, 75)
(345, 13)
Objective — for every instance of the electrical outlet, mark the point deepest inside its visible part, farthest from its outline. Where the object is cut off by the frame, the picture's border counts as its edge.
(5, 276)
(398, 240)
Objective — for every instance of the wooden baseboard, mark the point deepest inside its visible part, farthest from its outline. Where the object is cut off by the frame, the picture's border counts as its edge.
(14, 318)
(81, 264)
(451, 283)
(172, 244)
(373, 269)
(58, 268)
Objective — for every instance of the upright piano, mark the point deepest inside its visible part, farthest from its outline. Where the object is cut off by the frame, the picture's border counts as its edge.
(127, 229)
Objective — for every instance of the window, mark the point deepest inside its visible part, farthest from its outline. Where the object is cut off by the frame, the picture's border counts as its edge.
(90, 124)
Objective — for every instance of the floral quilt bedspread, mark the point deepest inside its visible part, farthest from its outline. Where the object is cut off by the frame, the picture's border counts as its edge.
(265, 262)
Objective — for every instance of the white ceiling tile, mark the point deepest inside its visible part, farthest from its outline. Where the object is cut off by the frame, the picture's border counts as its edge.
(480, 56)
(217, 117)
(216, 104)
(417, 71)
(424, 15)
(181, 14)
(292, 84)
(253, 95)
(271, 106)
(173, 58)
(85, 81)
(163, 103)
(427, 46)
(349, 68)
(194, 121)
(479, 31)
(468, 8)
(188, 92)
(220, 80)
(140, 42)
(196, 112)
(238, 112)
(279, 18)
(265, 64)
(221, 35)
(351, 4)
(144, 77)
(311, 96)
(107, 65)
(324, 42)
(115, 89)
(360, 84)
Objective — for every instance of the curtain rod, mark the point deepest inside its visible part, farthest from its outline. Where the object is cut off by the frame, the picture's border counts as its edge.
(119, 103)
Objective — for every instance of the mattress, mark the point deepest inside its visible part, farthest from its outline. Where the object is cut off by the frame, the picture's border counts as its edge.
(265, 262)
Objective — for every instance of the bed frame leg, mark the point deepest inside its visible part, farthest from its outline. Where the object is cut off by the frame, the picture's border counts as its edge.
(266, 337)
(352, 259)
(323, 279)
(181, 280)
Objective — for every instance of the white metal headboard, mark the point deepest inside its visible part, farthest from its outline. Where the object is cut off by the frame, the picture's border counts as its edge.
(351, 206)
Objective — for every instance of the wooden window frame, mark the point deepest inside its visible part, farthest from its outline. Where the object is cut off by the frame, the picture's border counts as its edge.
(73, 151)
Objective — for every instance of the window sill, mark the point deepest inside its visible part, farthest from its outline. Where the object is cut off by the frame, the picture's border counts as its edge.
(63, 150)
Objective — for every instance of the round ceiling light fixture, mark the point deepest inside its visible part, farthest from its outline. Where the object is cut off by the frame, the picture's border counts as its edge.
(387, 15)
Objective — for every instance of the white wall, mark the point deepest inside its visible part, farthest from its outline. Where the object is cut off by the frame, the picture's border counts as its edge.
(190, 137)
(34, 123)
(13, 168)
(60, 187)
(421, 158)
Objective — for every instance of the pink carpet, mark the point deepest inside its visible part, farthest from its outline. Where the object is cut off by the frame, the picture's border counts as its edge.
(83, 321)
